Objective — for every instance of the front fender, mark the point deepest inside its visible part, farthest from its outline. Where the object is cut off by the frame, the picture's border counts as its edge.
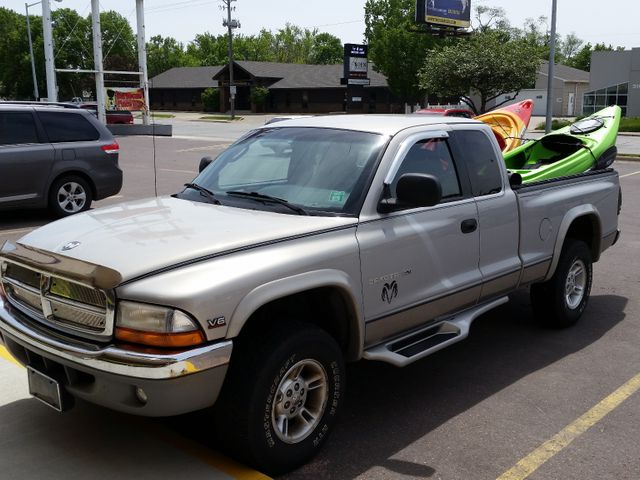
(284, 287)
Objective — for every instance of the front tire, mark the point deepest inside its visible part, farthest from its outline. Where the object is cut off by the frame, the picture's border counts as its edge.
(560, 301)
(282, 394)
(69, 195)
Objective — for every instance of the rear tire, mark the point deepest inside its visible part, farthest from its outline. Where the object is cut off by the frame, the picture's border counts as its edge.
(69, 195)
(560, 301)
(282, 393)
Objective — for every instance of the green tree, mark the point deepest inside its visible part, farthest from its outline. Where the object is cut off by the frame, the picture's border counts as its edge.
(15, 77)
(208, 49)
(164, 53)
(396, 47)
(254, 47)
(484, 64)
(72, 49)
(327, 50)
(118, 42)
(582, 59)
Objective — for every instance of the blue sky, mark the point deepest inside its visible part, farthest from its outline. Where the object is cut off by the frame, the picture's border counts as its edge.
(613, 22)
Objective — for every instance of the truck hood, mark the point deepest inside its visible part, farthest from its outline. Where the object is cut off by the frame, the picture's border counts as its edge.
(135, 238)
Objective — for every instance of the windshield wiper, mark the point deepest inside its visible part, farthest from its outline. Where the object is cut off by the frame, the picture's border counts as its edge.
(205, 192)
(267, 198)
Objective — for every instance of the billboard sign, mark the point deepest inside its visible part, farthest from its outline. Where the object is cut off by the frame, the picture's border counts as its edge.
(451, 13)
(356, 65)
(120, 98)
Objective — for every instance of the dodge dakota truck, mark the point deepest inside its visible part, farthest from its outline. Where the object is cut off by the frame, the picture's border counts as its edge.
(306, 244)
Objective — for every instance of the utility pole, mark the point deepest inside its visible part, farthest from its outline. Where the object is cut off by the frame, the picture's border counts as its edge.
(230, 24)
(97, 59)
(142, 59)
(552, 57)
(36, 93)
(50, 70)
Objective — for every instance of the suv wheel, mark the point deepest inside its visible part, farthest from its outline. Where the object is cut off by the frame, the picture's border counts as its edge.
(69, 195)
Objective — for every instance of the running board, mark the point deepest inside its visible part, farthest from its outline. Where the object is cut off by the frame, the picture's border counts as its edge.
(404, 350)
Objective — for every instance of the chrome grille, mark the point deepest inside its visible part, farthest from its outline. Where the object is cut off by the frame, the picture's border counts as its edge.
(73, 291)
(58, 302)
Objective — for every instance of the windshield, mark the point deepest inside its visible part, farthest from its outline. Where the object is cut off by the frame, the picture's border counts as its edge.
(318, 169)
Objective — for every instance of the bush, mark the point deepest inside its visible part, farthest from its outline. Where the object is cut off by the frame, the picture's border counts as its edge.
(211, 100)
(259, 97)
(555, 124)
(630, 125)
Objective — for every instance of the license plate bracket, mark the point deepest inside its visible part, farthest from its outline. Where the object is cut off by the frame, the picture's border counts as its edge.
(45, 389)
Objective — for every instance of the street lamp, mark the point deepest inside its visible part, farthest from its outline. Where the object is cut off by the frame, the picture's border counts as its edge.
(36, 93)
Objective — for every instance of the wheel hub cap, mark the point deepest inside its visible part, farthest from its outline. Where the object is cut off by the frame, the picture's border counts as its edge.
(71, 197)
(301, 399)
(575, 284)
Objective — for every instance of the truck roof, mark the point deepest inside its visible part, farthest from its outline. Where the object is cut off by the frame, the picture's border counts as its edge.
(381, 124)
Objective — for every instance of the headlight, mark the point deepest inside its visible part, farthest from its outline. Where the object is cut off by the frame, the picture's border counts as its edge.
(156, 326)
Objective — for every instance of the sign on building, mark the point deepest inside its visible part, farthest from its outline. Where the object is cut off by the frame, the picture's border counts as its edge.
(356, 65)
(121, 98)
(451, 13)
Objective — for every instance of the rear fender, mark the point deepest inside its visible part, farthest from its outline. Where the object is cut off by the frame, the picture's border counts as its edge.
(571, 216)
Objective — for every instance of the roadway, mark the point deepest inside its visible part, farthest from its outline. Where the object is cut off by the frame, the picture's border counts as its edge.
(513, 401)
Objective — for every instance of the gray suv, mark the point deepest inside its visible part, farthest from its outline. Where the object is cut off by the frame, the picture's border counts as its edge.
(55, 156)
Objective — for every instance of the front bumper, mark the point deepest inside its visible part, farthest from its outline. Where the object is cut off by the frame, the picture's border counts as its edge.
(174, 383)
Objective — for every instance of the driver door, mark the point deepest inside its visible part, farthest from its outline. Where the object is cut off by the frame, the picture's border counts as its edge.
(420, 263)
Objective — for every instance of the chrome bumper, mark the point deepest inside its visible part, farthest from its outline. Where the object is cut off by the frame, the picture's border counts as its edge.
(109, 359)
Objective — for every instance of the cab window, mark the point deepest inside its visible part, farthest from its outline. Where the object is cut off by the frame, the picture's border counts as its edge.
(431, 156)
(481, 161)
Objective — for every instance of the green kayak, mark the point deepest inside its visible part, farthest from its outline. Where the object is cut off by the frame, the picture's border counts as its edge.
(585, 144)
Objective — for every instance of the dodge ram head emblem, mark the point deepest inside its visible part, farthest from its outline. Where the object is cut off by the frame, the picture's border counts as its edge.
(70, 245)
(389, 291)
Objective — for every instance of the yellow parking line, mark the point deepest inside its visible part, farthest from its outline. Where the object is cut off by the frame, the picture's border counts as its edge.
(7, 356)
(562, 439)
(629, 174)
(206, 455)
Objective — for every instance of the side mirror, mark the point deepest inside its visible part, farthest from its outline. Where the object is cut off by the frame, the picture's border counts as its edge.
(413, 190)
(204, 163)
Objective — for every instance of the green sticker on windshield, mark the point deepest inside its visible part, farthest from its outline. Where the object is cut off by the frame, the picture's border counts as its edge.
(336, 196)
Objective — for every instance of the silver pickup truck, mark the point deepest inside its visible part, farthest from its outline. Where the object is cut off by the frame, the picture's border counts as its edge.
(306, 244)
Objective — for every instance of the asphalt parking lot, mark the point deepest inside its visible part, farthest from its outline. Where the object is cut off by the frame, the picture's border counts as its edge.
(513, 401)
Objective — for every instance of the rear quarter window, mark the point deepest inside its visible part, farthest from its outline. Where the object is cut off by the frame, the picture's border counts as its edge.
(68, 127)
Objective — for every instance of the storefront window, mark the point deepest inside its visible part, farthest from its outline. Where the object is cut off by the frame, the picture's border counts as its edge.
(598, 99)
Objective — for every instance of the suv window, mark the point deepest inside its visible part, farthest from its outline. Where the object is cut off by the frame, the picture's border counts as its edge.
(481, 162)
(17, 127)
(67, 127)
(431, 156)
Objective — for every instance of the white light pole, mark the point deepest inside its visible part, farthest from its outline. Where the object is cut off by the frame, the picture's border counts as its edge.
(142, 59)
(97, 59)
(552, 57)
(49, 67)
(36, 93)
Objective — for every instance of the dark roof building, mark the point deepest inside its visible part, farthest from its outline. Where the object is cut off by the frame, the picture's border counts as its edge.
(293, 88)
(186, 77)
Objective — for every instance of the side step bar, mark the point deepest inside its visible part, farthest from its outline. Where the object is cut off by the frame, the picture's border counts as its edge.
(404, 350)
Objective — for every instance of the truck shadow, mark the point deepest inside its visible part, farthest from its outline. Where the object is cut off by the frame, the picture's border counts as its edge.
(388, 408)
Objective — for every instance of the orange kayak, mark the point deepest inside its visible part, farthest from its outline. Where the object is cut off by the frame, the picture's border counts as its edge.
(509, 123)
